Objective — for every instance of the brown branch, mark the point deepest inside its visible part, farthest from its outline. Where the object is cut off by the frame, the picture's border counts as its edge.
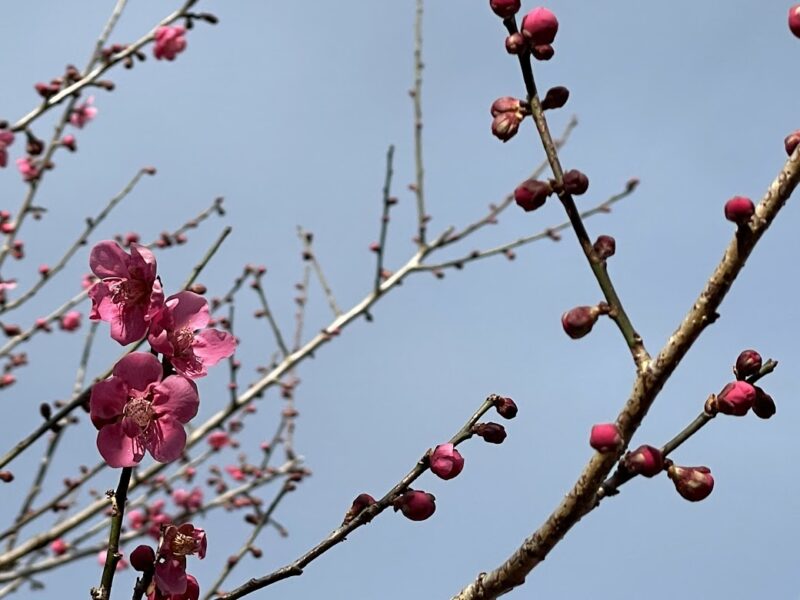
(582, 497)
(416, 95)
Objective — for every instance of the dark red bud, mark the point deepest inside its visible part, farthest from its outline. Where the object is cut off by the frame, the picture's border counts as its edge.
(645, 460)
(739, 209)
(791, 141)
(579, 321)
(361, 502)
(748, 363)
(532, 194)
(764, 405)
(543, 52)
(794, 20)
(556, 97)
(735, 399)
(505, 125)
(605, 246)
(143, 558)
(505, 8)
(493, 433)
(416, 505)
(575, 182)
(692, 483)
(505, 407)
(6, 476)
(540, 26)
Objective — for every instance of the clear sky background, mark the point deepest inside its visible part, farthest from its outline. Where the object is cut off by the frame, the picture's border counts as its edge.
(286, 109)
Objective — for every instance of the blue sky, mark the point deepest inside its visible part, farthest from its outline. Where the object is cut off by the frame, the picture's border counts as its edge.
(286, 109)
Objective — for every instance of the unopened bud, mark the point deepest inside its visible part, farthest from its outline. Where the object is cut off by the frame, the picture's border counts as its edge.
(579, 321)
(692, 483)
(540, 26)
(645, 460)
(764, 405)
(6, 476)
(794, 20)
(556, 97)
(505, 8)
(543, 52)
(505, 125)
(416, 505)
(748, 363)
(493, 433)
(605, 437)
(791, 141)
(445, 461)
(735, 399)
(515, 43)
(143, 558)
(506, 104)
(575, 182)
(605, 246)
(739, 210)
(505, 407)
(361, 502)
(532, 194)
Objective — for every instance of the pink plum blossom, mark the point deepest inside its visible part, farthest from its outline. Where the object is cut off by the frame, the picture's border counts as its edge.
(179, 542)
(128, 294)
(153, 517)
(218, 439)
(83, 113)
(170, 42)
(5, 285)
(136, 411)
(27, 168)
(6, 139)
(59, 547)
(174, 333)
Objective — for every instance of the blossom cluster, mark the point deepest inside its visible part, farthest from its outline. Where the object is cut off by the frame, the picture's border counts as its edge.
(144, 405)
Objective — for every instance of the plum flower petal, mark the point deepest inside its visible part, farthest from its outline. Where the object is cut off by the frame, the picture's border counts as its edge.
(128, 293)
(173, 332)
(170, 42)
(136, 411)
(83, 113)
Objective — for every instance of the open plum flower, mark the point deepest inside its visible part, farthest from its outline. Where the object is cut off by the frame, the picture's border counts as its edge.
(136, 411)
(128, 293)
(178, 543)
(177, 331)
(192, 592)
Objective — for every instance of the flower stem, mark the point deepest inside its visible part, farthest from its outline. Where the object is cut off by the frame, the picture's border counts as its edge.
(113, 555)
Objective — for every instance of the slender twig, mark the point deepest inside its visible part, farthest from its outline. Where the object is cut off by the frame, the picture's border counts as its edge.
(582, 498)
(598, 266)
(416, 95)
(387, 203)
(91, 225)
(267, 313)
(92, 73)
(112, 554)
(308, 254)
(549, 233)
(339, 534)
(264, 517)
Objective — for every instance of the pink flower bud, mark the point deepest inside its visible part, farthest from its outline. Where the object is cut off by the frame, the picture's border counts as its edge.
(416, 505)
(794, 20)
(505, 125)
(735, 399)
(7, 379)
(748, 363)
(70, 321)
(59, 547)
(505, 8)
(374, 246)
(493, 433)
(7, 227)
(605, 246)
(218, 440)
(361, 502)
(579, 321)
(44, 270)
(505, 407)
(445, 461)
(540, 26)
(515, 43)
(575, 182)
(543, 52)
(764, 405)
(506, 104)
(605, 437)
(68, 141)
(645, 460)
(791, 141)
(532, 194)
(556, 97)
(739, 209)
(169, 42)
(143, 558)
(692, 483)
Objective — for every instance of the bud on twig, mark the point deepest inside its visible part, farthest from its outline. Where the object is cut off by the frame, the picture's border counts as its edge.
(645, 460)
(692, 483)
(415, 505)
(605, 437)
(579, 321)
(493, 433)
(748, 363)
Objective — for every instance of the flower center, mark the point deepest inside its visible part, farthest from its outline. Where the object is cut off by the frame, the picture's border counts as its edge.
(182, 339)
(139, 411)
(183, 545)
(128, 292)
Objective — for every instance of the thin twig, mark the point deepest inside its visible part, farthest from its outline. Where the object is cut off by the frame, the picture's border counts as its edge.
(416, 95)
(112, 554)
(308, 254)
(387, 202)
